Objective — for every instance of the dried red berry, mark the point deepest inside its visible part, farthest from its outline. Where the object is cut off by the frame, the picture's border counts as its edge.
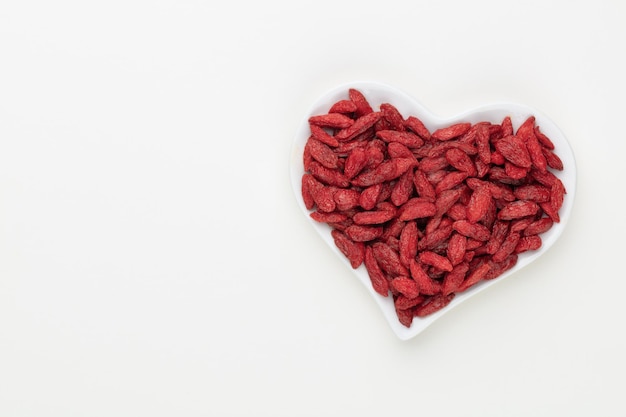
(405, 286)
(451, 132)
(354, 251)
(434, 304)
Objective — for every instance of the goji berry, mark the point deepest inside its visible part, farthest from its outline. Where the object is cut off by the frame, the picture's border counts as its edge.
(362, 105)
(513, 149)
(527, 243)
(517, 209)
(434, 304)
(359, 126)
(416, 208)
(452, 281)
(436, 260)
(426, 284)
(405, 286)
(507, 247)
(388, 259)
(461, 161)
(407, 244)
(320, 134)
(423, 187)
(457, 245)
(475, 276)
(343, 106)
(478, 204)
(360, 233)
(475, 231)
(406, 138)
(402, 189)
(539, 226)
(416, 125)
(377, 277)
(404, 303)
(392, 116)
(451, 132)
(354, 251)
(334, 120)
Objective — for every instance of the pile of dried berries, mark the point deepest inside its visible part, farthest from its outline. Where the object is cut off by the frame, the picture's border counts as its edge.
(429, 214)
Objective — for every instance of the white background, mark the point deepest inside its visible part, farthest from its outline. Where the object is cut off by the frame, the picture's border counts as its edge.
(153, 259)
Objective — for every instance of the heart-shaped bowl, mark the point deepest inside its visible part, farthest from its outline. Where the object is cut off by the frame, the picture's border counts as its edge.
(378, 93)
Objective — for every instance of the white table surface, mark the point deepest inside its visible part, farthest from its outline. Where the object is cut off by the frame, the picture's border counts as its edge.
(153, 259)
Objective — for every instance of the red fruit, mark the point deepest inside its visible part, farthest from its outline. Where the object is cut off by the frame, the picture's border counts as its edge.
(453, 279)
(392, 116)
(557, 194)
(346, 199)
(535, 192)
(407, 244)
(354, 251)
(405, 317)
(514, 150)
(369, 196)
(483, 145)
(461, 161)
(423, 187)
(450, 181)
(552, 159)
(506, 127)
(377, 277)
(435, 238)
(416, 208)
(536, 152)
(472, 230)
(538, 226)
(426, 284)
(405, 303)
(479, 204)
(307, 196)
(360, 233)
(405, 138)
(405, 286)
(517, 209)
(498, 268)
(543, 139)
(357, 160)
(451, 132)
(373, 217)
(433, 305)
(322, 153)
(343, 106)
(398, 150)
(457, 245)
(527, 243)
(328, 176)
(358, 127)
(436, 260)
(474, 276)
(416, 125)
(333, 217)
(507, 248)
(320, 134)
(388, 259)
(446, 199)
(334, 120)
(402, 189)
(362, 105)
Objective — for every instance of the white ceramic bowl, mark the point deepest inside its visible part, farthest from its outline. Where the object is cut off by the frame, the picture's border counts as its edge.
(377, 93)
